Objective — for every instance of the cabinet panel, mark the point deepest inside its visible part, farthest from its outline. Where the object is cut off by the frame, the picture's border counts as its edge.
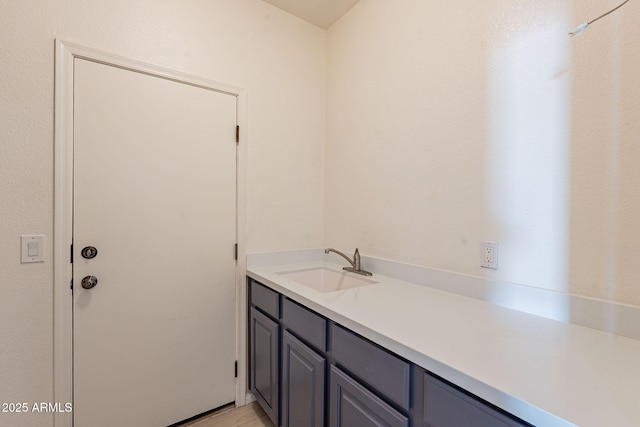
(446, 406)
(265, 299)
(264, 362)
(353, 405)
(303, 379)
(311, 327)
(380, 369)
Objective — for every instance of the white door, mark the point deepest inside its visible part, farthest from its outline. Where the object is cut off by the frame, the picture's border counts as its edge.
(155, 194)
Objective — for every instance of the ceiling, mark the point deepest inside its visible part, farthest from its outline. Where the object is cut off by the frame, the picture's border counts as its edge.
(322, 13)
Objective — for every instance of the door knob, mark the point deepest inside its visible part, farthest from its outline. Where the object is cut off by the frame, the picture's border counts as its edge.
(89, 252)
(88, 282)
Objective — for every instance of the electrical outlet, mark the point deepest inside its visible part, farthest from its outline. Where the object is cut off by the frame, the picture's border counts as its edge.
(489, 255)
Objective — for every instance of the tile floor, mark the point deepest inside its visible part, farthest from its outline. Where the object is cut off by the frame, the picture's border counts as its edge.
(250, 415)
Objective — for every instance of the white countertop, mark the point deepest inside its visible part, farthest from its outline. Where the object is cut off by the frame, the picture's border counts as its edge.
(547, 372)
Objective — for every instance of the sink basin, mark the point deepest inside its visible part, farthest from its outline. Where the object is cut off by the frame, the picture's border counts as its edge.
(325, 280)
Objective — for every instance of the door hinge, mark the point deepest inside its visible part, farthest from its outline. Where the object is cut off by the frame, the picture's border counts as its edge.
(237, 134)
(235, 252)
(235, 369)
(71, 284)
(71, 254)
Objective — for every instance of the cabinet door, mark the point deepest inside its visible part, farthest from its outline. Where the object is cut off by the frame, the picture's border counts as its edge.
(264, 358)
(353, 405)
(445, 406)
(303, 377)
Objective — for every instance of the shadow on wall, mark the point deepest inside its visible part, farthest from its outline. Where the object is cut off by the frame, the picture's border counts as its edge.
(561, 185)
(528, 138)
(605, 196)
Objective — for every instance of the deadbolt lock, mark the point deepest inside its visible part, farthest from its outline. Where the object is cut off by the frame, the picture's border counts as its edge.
(89, 252)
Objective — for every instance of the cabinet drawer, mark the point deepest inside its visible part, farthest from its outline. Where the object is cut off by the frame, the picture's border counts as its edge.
(265, 299)
(309, 326)
(353, 405)
(374, 366)
(446, 406)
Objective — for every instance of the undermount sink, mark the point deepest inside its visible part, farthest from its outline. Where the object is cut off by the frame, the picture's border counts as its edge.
(325, 280)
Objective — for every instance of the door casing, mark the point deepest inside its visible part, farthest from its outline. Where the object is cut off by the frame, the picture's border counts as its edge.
(66, 53)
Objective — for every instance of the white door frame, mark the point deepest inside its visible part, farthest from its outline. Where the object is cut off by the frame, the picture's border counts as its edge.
(63, 209)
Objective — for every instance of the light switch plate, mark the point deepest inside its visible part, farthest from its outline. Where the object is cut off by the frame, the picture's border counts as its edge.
(32, 248)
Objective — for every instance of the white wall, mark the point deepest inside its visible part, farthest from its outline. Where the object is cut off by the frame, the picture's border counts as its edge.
(452, 124)
(281, 60)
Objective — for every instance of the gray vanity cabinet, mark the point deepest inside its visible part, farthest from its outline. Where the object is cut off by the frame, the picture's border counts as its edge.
(377, 368)
(304, 344)
(264, 349)
(264, 359)
(287, 359)
(365, 381)
(447, 406)
(308, 371)
(303, 384)
(351, 404)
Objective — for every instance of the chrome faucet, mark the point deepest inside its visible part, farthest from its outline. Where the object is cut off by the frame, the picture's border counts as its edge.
(355, 264)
